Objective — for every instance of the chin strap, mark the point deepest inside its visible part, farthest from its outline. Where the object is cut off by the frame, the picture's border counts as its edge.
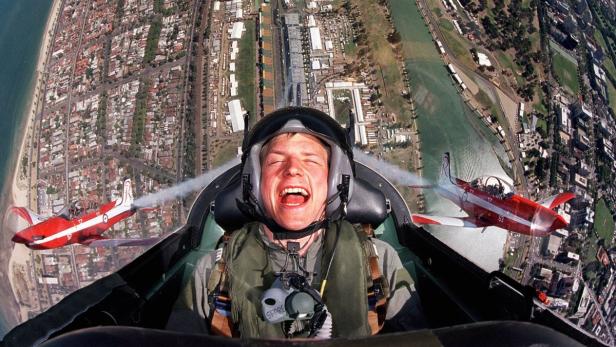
(250, 207)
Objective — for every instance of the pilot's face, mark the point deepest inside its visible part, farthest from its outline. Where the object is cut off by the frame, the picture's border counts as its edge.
(294, 171)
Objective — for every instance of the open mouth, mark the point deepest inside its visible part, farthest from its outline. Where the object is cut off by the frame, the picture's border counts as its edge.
(294, 196)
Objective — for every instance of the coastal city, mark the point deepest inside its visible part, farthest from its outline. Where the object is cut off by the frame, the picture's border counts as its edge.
(161, 91)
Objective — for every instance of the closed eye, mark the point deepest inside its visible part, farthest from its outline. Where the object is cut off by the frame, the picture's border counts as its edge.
(274, 162)
(314, 161)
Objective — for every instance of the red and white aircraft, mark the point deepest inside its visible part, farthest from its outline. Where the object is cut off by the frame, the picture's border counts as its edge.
(489, 201)
(69, 227)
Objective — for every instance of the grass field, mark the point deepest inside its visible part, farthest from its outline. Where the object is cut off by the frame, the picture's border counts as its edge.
(445, 24)
(342, 105)
(151, 44)
(541, 123)
(437, 12)
(246, 73)
(535, 38)
(612, 95)
(458, 47)
(225, 153)
(506, 61)
(452, 40)
(604, 222)
(540, 107)
(350, 48)
(608, 65)
(388, 74)
(566, 72)
(485, 100)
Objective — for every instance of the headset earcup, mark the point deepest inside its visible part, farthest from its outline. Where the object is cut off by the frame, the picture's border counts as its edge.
(252, 167)
(339, 166)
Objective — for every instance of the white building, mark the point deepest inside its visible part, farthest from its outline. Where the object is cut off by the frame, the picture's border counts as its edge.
(483, 59)
(311, 21)
(237, 30)
(315, 39)
(237, 115)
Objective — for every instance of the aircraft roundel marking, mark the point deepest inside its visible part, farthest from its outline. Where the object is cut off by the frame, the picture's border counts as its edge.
(105, 218)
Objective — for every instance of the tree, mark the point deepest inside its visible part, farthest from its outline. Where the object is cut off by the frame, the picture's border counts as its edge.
(394, 36)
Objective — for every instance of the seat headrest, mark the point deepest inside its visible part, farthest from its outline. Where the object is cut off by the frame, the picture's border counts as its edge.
(367, 206)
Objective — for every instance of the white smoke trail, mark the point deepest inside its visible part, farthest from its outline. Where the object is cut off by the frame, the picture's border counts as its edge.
(390, 171)
(184, 188)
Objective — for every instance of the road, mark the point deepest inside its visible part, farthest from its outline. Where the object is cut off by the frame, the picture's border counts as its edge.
(182, 110)
(200, 89)
(147, 71)
(67, 126)
(565, 268)
(606, 326)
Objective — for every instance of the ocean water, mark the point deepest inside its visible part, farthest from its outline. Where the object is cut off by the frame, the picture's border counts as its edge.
(446, 124)
(22, 24)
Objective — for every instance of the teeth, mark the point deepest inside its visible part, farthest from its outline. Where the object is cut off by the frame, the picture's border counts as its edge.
(301, 191)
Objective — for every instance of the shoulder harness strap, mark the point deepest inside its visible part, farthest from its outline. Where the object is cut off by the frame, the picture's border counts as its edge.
(221, 322)
(378, 286)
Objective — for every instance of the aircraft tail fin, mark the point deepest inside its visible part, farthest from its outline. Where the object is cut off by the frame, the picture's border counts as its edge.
(27, 215)
(444, 177)
(127, 193)
(557, 200)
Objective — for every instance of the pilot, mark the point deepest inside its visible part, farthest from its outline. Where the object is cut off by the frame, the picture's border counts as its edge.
(75, 210)
(299, 270)
(495, 190)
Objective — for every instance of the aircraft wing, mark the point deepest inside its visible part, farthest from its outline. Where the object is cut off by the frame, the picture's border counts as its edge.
(439, 220)
(104, 242)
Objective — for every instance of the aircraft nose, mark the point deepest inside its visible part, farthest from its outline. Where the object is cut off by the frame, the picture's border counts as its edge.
(19, 238)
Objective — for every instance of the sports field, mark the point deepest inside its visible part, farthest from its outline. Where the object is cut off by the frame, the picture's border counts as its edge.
(566, 72)
(604, 222)
(607, 62)
(612, 95)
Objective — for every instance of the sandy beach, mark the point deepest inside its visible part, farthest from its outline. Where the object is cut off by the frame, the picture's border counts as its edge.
(18, 194)
(20, 186)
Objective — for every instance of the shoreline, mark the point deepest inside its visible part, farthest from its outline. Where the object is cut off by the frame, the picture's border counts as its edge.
(35, 103)
(18, 194)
